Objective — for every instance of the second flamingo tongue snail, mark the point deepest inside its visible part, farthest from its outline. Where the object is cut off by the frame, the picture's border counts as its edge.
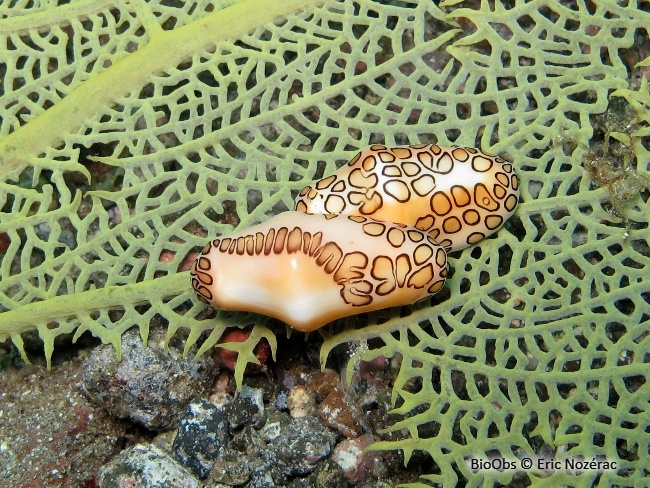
(402, 206)
(458, 194)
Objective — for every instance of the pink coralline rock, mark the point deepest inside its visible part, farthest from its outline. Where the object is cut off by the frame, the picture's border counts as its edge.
(341, 412)
(357, 464)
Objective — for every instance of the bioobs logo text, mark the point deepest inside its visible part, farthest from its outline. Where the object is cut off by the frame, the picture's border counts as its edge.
(570, 465)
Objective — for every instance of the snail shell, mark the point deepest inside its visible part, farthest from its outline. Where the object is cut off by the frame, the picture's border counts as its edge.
(308, 270)
(459, 195)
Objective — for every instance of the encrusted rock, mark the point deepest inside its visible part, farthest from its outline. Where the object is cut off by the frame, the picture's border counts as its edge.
(321, 383)
(282, 449)
(340, 411)
(221, 399)
(293, 376)
(202, 435)
(281, 401)
(247, 408)
(232, 469)
(150, 386)
(276, 423)
(328, 474)
(165, 440)
(302, 444)
(358, 465)
(270, 477)
(145, 466)
(300, 402)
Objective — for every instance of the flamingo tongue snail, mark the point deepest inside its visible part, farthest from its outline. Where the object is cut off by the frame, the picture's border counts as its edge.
(459, 195)
(373, 235)
(308, 270)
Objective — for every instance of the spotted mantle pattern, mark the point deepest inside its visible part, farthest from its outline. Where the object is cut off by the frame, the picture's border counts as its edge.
(459, 195)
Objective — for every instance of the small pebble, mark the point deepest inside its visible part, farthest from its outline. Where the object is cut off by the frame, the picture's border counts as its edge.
(300, 402)
(358, 465)
(321, 383)
(302, 444)
(67, 237)
(328, 474)
(341, 412)
(224, 383)
(276, 422)
(202, 435)
(267, 478)
(293, 376)
(373, 369)
(221, 399)
(295, 446)
(145, 466)
(165, 439)
(232, 469)
(43, 231)
(281, 401)
(247, 408)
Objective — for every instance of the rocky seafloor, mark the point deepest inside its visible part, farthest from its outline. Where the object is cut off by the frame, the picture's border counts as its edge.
(160, 419)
